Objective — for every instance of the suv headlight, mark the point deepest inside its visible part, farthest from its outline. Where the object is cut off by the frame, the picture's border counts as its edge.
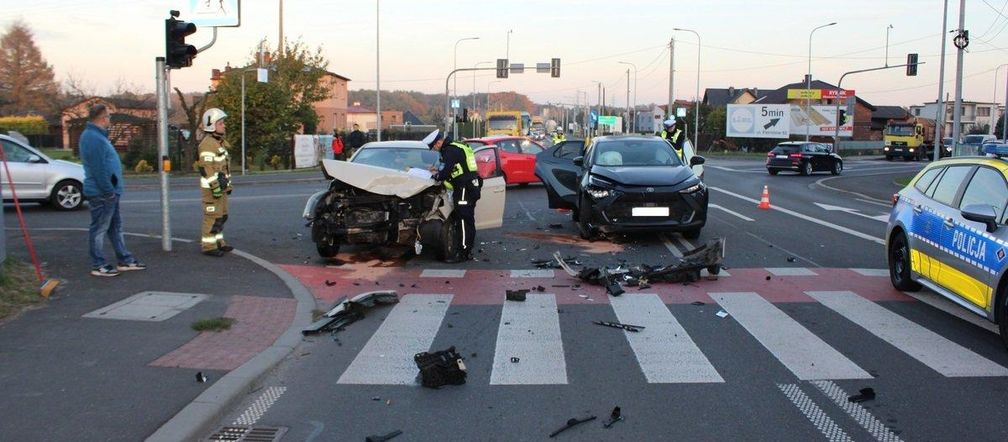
(698, 187)
(598, 187)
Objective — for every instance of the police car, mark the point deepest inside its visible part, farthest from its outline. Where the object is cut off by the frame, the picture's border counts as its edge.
(948, 232)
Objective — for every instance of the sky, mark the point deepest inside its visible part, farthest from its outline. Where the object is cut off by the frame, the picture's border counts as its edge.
(744, 43)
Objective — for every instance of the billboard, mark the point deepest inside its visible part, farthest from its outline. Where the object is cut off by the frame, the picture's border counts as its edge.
(817, 94)
(757, 120)
(819, 121)
(213, 13)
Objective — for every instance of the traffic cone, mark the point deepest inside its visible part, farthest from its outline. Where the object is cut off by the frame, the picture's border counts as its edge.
(765, 199)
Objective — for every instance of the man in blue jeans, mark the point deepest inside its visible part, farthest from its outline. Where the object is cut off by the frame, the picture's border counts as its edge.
(103, 186)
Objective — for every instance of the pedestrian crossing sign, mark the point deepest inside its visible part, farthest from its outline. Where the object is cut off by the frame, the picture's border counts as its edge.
(213, 13)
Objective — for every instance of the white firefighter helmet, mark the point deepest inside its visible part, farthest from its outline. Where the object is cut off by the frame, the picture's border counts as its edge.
(210, 119)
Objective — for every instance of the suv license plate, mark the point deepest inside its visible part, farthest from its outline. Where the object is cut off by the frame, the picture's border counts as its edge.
(650, 211)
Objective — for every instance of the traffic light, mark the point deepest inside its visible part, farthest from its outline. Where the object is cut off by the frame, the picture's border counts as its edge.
(911, 65)
(555, 68)
(178, 54)
(502, 68)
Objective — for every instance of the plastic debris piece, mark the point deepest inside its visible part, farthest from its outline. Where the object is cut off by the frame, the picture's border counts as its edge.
(383, 437)
(866, 394)
(615, 416)
(200, 377)
(516, 295)
(514, 360)
(627, 327)
(571, 423)
(698, 303)
(722, 314)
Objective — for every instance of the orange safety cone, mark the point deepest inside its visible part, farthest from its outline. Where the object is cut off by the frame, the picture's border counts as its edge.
(765, 199)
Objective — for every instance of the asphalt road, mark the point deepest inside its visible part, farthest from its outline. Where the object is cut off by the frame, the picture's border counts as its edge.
(778, 367)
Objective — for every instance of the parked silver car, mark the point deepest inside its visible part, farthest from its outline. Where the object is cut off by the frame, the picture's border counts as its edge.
(39, 178)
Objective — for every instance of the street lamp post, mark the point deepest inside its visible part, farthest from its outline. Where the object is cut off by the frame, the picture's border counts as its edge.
(474, 92)
(808, 78)
(994, 100)
(507, 51)
(455, 84)
(887, 29)
(634, 94)
(696, 97)
(378, 70)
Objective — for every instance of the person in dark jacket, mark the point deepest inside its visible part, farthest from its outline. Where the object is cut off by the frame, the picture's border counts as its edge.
(356, 140)
(459, 174)
(103, 186)
(673, 133)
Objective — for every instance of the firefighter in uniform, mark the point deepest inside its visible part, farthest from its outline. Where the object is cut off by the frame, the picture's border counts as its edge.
(459, 174)
(674, 135)
(215, 182)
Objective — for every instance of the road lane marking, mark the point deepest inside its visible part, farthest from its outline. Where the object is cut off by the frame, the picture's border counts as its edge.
(410, 328)
(805, 217)
(526, 210)
(814, 414)
(802, 352)
(664, 350)
(536, 273)
(860, 414)
(670, 246)
(731, 212)
(931, 349)
(529, 331)
(778, 247)
(871, 272)
(259, 408)
(687, 246)
(831, 208)
(442, 273)
(790, 271)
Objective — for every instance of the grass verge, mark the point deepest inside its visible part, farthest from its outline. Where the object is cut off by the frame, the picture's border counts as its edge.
(212, 324)
(60, 154)
(19, 288)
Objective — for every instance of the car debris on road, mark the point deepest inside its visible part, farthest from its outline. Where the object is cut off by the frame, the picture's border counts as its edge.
(709, 256)
(615, 416)
(351, 310)
(384, 437)
(440, 368)
(627, 327)
(571, 423)
(866, 394)
(516, 295)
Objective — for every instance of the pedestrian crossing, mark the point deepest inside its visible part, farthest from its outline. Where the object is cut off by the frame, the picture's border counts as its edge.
(529, 347)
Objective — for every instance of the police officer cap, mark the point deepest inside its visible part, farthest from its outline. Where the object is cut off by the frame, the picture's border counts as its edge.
(432, 138)
(669, 123)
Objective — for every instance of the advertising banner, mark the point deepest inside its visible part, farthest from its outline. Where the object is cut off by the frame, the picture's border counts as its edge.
(819, 121)
(306, 151)
(757, 121)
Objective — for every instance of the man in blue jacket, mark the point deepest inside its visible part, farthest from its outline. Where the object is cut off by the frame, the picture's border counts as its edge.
(103, 186)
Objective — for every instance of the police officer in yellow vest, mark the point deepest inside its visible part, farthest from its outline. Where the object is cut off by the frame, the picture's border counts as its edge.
(675, 136)
(215, 182)
(459, 175)
(559, 137)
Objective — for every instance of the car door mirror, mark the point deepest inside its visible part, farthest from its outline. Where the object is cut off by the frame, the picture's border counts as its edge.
(981, 213)
(579, 161)
(696, 160)
(34, 159)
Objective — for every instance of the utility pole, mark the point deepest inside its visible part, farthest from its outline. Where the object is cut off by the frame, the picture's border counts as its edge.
(671, 77)
(627, 123)
(808, 80)
(940, 120)
(378, 70)
(961, 41)
(161, 78)
(280, 47)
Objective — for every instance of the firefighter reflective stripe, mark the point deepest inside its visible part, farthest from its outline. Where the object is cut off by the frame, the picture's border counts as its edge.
(219, 237)
(207, 183)
(209, 240)
(208, 157)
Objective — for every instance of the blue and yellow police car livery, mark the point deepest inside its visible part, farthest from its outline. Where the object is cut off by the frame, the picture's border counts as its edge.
(948, 232)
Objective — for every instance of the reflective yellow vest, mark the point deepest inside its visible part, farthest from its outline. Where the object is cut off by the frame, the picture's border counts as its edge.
(675, 138)
(470, 163)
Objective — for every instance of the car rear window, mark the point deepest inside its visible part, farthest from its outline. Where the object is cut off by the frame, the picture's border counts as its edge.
(948, 184)
(927, 178)
(786, 148)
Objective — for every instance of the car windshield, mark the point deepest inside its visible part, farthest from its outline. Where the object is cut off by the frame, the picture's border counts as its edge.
(398, 158)
(503, 122)
(973, 139)
(900, 130)
(786, 149)
(635, 153)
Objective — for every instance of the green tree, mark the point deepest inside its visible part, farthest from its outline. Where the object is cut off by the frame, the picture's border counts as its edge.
(26, 81)
(999, 127)
(276, 110)
(978, 129)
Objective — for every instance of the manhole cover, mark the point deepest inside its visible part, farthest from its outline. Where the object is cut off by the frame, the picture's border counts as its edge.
(248, 434)
(148, 306)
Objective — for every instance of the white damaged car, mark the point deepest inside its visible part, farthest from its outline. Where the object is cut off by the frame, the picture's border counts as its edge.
(384, 196)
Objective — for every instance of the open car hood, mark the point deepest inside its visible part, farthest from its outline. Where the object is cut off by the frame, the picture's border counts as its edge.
(377, 180)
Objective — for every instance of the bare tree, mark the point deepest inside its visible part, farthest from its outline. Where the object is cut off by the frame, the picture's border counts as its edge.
(193, 112)
(26, 81)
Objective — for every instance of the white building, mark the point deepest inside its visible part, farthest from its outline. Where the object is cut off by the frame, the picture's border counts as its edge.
(974, 113)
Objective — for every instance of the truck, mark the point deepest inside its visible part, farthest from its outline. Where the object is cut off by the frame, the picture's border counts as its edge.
(504, 123)
(911, 139)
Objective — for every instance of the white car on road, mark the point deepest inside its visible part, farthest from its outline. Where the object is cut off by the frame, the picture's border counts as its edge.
(39, 178)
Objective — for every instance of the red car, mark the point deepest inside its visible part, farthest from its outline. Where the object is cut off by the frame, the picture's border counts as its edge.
(517, 157)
